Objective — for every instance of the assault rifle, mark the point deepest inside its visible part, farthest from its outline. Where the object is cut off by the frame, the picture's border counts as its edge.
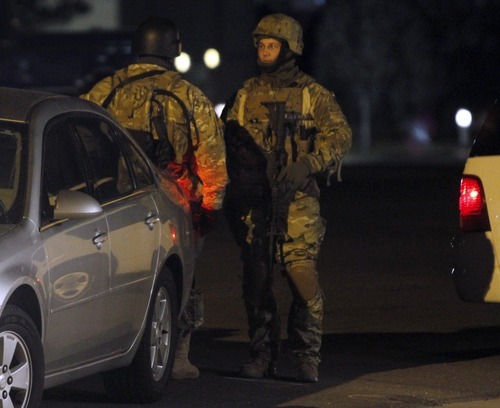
(276, 161)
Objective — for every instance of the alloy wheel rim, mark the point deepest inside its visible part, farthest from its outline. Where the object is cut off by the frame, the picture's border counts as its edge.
(161, 336)
(15, 372)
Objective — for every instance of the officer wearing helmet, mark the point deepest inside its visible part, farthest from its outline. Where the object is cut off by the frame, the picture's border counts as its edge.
(177, 126)
(317, 136)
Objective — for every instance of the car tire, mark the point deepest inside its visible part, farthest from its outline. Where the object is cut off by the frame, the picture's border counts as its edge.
(146, 378)
(22, 360)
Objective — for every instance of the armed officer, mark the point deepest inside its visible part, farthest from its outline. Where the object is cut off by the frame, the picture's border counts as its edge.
(317, 136)
(175, 123)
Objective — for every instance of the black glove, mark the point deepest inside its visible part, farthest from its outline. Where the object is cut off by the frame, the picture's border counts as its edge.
(294, 177)
(203, 219)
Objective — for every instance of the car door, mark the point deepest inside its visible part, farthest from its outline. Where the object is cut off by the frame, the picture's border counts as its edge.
(78, 255)
(123, 185)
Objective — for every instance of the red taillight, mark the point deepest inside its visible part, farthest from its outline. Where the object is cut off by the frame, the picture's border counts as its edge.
(472, 205)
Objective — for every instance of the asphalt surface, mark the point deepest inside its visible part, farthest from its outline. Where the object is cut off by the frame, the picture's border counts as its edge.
(395, 332)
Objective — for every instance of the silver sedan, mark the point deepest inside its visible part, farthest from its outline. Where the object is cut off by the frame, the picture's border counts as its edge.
(96, 252)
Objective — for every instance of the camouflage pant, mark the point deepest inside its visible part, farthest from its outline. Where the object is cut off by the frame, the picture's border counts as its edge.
(193, 315)
(305, 229)
(305, 232)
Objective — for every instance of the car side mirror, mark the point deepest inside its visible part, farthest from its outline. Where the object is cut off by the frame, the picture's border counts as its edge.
(75, 204)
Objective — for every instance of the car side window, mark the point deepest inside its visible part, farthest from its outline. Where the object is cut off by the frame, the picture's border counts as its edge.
(63, 167)
(13, 159)
(109, 173)
(140, 168)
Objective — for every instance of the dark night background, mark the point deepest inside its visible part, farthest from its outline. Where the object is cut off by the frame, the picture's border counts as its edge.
(400, 70)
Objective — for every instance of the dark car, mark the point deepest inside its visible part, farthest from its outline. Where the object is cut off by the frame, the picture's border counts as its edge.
(96, 252)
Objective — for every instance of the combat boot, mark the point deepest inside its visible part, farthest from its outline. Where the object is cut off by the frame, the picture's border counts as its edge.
(307, 372)
(183, 369)
(258, 367)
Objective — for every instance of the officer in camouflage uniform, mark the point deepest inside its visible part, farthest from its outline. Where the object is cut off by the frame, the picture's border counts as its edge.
(176, 125)
(317, 137)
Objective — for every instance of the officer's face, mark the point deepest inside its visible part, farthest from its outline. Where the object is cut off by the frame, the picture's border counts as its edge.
(268, 50)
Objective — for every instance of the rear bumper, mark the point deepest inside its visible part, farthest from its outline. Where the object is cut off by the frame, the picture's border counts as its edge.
(475, 270)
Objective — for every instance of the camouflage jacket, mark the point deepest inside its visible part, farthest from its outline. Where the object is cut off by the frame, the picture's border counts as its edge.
(322, 134)
(200, 164)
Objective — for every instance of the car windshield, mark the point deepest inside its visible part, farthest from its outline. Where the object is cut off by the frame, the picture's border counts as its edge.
(11, 172)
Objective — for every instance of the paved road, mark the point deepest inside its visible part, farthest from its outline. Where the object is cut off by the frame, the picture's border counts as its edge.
(396, 335)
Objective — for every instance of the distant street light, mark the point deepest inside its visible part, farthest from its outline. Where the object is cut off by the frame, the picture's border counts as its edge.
(211, 58)
(463, 119)
(183, 62)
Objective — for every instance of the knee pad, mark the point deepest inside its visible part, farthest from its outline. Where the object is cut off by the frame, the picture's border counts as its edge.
(304, 276)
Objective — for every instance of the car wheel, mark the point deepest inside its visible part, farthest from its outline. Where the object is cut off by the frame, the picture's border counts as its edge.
(146, 378)
(22, 365)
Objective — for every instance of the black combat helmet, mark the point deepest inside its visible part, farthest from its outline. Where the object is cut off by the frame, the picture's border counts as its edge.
(157, 36)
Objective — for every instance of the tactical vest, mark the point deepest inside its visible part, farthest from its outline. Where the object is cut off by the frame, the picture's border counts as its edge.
(300, 129)
(146, 106)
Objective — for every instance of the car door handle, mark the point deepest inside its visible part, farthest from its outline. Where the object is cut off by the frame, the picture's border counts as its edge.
(151, 220)
(99, 238)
